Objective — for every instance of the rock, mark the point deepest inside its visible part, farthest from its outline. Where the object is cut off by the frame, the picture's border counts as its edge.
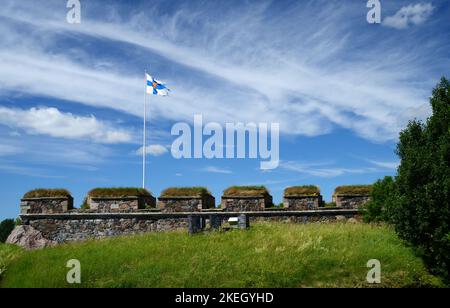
(28, 238)
(341, 218)
(352, 221)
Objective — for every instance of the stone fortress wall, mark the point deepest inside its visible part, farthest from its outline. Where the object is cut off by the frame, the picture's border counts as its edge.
(48, 221)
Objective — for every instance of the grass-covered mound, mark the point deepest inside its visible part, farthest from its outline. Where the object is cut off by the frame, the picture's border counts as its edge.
(246, 191)
(119, 192)
(47, 193)
(7, 254)
(185, 192)
(307, 190)
(267, 255)
(353, 190)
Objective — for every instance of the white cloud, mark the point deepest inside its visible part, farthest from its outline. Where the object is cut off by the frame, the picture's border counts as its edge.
(30, 172)
(6, 150)
(385, 164)
(266, 68)
(212, 169)
(154, 150)
(54, 123)
(409, 15)
(321, 170)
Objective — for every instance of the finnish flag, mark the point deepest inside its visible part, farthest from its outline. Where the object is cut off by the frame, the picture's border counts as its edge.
(156, 87)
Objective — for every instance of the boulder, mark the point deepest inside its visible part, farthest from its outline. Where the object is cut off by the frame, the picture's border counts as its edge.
(341, 218)
(28, 238)
(352, 221)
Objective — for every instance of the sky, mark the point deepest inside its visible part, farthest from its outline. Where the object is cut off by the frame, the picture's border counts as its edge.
(341, 89)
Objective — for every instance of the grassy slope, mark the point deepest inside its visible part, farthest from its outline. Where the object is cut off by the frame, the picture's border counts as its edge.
(269, 255)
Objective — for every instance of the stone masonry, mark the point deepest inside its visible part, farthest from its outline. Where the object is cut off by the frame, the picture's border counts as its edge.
(302, 203)
(47, 205)
(243, 203)
(185, 204)
(120, 204)
(350, 201)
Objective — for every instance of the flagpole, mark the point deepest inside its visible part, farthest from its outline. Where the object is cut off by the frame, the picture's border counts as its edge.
(145, 134)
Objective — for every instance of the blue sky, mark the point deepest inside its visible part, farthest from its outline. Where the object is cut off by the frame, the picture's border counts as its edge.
(71, 95)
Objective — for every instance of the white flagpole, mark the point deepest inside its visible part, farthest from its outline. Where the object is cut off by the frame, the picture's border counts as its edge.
(145, 135)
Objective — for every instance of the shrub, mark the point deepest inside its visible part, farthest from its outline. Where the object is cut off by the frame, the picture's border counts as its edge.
(308, 190)
(85, 205)
(330, 204)
(6, 227)
(422, 213)
(246, 191)
(118, 192)
(185, 192)
(383, 198)
(353, 190)
(43, 193)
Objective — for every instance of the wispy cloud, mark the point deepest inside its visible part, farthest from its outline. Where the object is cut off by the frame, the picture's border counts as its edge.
(249, 62)
(322, 170)
(413, 14)
(54, 123)
(26, 171)
(212, 169)
(385, 164)
(6, 150)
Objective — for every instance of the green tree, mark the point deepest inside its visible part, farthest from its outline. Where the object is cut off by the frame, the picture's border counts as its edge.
(422, 212)
(383, 201)
(6, 227)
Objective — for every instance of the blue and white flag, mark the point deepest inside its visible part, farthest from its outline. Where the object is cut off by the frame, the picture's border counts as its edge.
(156, 87)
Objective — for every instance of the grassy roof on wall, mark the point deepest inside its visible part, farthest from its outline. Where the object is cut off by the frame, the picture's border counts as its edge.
(47, 193)
(306, 190)
(118, 192)
(185, 192)
(353, 190)
(246, 191)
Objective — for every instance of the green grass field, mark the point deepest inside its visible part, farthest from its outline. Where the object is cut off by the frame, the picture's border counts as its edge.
(268, 255)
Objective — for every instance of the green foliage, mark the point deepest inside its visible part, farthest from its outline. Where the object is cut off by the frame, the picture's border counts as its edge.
(422, 214)
(246, 191)
(307, 190)
(18, 221)
(266, 255)
(383, 199)
(330, 204)
(6, 227)
(7, 254)
(118, 192)
(85, 205)
(185, 192)
(49, 193)
(353, 190)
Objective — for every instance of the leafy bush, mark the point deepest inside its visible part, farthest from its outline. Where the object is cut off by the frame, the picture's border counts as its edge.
(6, 227)
(118, 192)
(383, 198)
(85, 205)
(246, 191)
(43, 193)
(185, 192)
(330, 204)
(353, 190)
(422, 213)
(307, 190)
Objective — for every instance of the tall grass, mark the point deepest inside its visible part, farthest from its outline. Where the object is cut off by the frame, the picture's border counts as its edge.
(267, 255)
